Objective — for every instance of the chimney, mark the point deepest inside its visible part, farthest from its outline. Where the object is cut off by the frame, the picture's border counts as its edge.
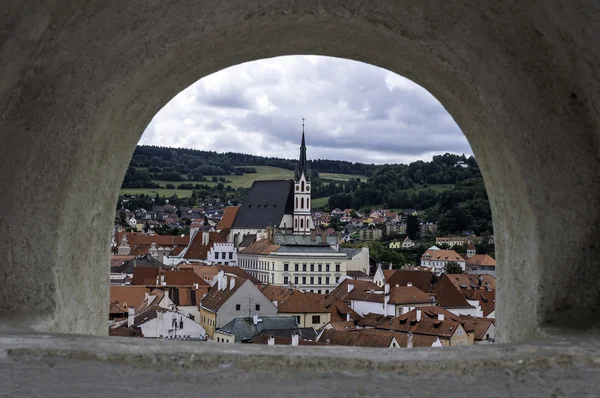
(390, 266)
(386, 289)
(386, 300)
(146, 296)
(205, 238)
(271, 340)
(220, 277)
(409, 341)
(348, 317)
(313, 235)
(130, 316)
(350, 287)
(409, 284)
(440, 317)
(418, 315)
(196, 286)
(231, 283)
(295, 339)
(255, 319)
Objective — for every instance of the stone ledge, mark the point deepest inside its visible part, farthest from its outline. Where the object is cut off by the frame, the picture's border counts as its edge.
(62, 364)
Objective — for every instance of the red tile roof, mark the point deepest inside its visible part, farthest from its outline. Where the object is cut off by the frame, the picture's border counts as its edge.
(292, 300)
(199, 251)
(228, 217)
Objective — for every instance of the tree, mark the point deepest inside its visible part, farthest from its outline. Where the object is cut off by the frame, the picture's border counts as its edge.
(452, 268)
(412, 227)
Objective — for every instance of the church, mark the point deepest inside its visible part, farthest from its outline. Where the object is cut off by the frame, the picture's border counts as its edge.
(283, 205)
(277, 242)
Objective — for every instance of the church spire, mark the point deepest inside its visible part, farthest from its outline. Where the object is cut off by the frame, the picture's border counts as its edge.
(303, 164)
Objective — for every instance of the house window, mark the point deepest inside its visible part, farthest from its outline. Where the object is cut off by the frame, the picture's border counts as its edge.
(327, 280)
(296, 267)
(320, 267)
(319, 291)
(191, 316)
(316, 319)
(223, 255)
(302, 203)
(238, 307)
(302, 223)
(285, 267)
(304, 280)
(326, 291)
(326, 267)
(320, 281)
(312, 280)
(285, 280)
(295, 280)
(216, 255)
(337, 268)
(304, 267)
(297, 319)
(312, 268)
(459, 332)
(257, 307)
(231, 255)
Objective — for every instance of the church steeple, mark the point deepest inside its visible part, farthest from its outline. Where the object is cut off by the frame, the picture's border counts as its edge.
(303, 164)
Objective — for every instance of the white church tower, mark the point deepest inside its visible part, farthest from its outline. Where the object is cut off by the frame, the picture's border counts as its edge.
(303, 222)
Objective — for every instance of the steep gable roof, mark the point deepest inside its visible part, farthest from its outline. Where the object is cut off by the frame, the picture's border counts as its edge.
(292, 300)
(447, 295)
(239, 272)
(339, 311)
(228, 217)
(265, 204)
(198, 250)
(127, 296)
(215, 298)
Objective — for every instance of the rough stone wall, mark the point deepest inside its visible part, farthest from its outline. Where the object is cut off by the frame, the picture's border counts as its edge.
(80, 82)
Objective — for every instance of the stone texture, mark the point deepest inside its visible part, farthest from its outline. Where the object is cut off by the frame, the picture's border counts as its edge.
(73, 366)
(81, 81)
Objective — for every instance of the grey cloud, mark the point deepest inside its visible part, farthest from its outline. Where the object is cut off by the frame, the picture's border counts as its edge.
(350, 109)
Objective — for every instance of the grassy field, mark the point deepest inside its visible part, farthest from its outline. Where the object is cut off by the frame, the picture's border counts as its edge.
(244, 181)
(182, 193)
(318, 202)
(341, 177)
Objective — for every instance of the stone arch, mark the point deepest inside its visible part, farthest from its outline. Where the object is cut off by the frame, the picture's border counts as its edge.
(518, 78)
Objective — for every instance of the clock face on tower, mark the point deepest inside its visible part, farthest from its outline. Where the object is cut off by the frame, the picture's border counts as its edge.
(308, 188)
(297, 187)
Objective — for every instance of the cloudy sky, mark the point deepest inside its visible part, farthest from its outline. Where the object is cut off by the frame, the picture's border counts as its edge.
(354, 111)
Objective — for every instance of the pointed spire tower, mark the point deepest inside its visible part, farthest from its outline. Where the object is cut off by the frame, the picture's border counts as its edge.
(303, 222)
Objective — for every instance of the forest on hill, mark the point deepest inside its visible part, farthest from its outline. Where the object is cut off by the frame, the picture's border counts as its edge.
(442, 190)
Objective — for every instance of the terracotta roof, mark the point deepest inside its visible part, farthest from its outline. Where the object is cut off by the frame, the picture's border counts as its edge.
(240, 273)
(471, 247)
(199, 251)
(206, 272)
(118, 260)
(228, 217)
(408, 295)
(141, 243)
(429, 323)
(419, 340)
(263, 338)
(481, 325)
(130, 295)
(183, 278)
(371, 319)
(356, 339)
(481, 260)
(342, 325)
(215, 298)
(341, 291)
(424, 280)
(471, 281)
(487, 300)
(339, 309)
(292, 300)
(444, 255)
(447, 295)
(263, 246)
(141, 274)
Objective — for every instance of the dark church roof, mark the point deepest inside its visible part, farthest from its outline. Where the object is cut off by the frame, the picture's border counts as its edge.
(266, 204)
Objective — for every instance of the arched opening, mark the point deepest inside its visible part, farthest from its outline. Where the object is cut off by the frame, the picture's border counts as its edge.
(302, 203)
(301, 223)
(302, 186)
(84, 110)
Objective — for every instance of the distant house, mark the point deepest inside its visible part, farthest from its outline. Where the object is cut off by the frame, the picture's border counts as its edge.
(229, 298)
(395, 245)
(367, 234)
(408, 244)
(308, 311)
(245, 329)
(158, 322)
(393, 301)
(437, 260)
